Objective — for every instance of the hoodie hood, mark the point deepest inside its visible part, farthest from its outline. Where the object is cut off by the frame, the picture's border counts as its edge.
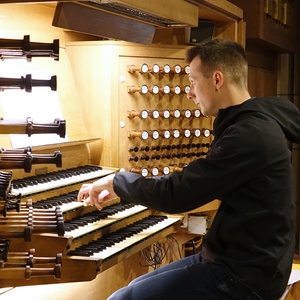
(283, 111)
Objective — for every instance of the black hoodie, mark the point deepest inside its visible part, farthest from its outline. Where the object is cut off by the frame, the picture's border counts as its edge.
(249, 169)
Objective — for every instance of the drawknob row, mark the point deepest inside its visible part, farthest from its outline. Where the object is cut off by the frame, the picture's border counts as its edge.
(168, 147)
(175, 133)
(156, 69)
(157, 170)
(155, 89)
(166, 114)
(166, 156)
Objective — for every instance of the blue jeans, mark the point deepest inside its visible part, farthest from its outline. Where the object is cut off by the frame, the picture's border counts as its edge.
(189, 278)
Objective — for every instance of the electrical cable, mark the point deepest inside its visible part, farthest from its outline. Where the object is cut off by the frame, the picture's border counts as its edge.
(157, 252)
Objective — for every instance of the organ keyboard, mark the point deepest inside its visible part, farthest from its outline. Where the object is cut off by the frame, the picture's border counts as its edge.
(83, 225)
(66, 202)
(37, 184)
(128, 240)
(95, 220)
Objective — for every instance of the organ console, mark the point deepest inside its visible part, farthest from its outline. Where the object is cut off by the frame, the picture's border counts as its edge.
(84, 235)
(78, 234)
(47, 235)
(55, 257)
(40, 213)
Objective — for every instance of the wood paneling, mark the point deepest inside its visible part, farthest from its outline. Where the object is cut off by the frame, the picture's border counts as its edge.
(272, 27)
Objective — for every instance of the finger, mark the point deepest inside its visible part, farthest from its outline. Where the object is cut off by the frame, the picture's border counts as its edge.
(102, 195)
(100, 199)
(86, 201)
(84, 192)
(85, 185)
(93, 196)
(99, 205)
(82, 196)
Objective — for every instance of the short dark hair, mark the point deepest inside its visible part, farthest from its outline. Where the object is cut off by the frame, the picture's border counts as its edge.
(224, 55)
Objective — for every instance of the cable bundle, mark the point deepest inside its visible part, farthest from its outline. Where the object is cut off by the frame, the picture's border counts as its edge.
(157, 252)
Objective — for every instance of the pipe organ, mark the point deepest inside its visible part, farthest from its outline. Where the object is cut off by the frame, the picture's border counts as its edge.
(150, 126)
(45, 234)
(131, 114)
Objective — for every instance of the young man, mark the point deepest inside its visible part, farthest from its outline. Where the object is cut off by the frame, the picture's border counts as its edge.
(248, 251)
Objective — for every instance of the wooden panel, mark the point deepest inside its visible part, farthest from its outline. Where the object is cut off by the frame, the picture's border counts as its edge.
(274, 24)
(86, 19)
(109, 98)
(266, 85)
(180, 11)
(218, 10)
(262, 65)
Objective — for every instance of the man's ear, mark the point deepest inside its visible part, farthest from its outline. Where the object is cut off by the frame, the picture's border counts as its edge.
(218, 78)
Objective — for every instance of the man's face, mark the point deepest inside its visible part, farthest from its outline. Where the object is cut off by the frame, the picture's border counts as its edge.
(202, 89)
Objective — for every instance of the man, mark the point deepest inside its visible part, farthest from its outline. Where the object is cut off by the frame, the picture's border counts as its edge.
(248, 251)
